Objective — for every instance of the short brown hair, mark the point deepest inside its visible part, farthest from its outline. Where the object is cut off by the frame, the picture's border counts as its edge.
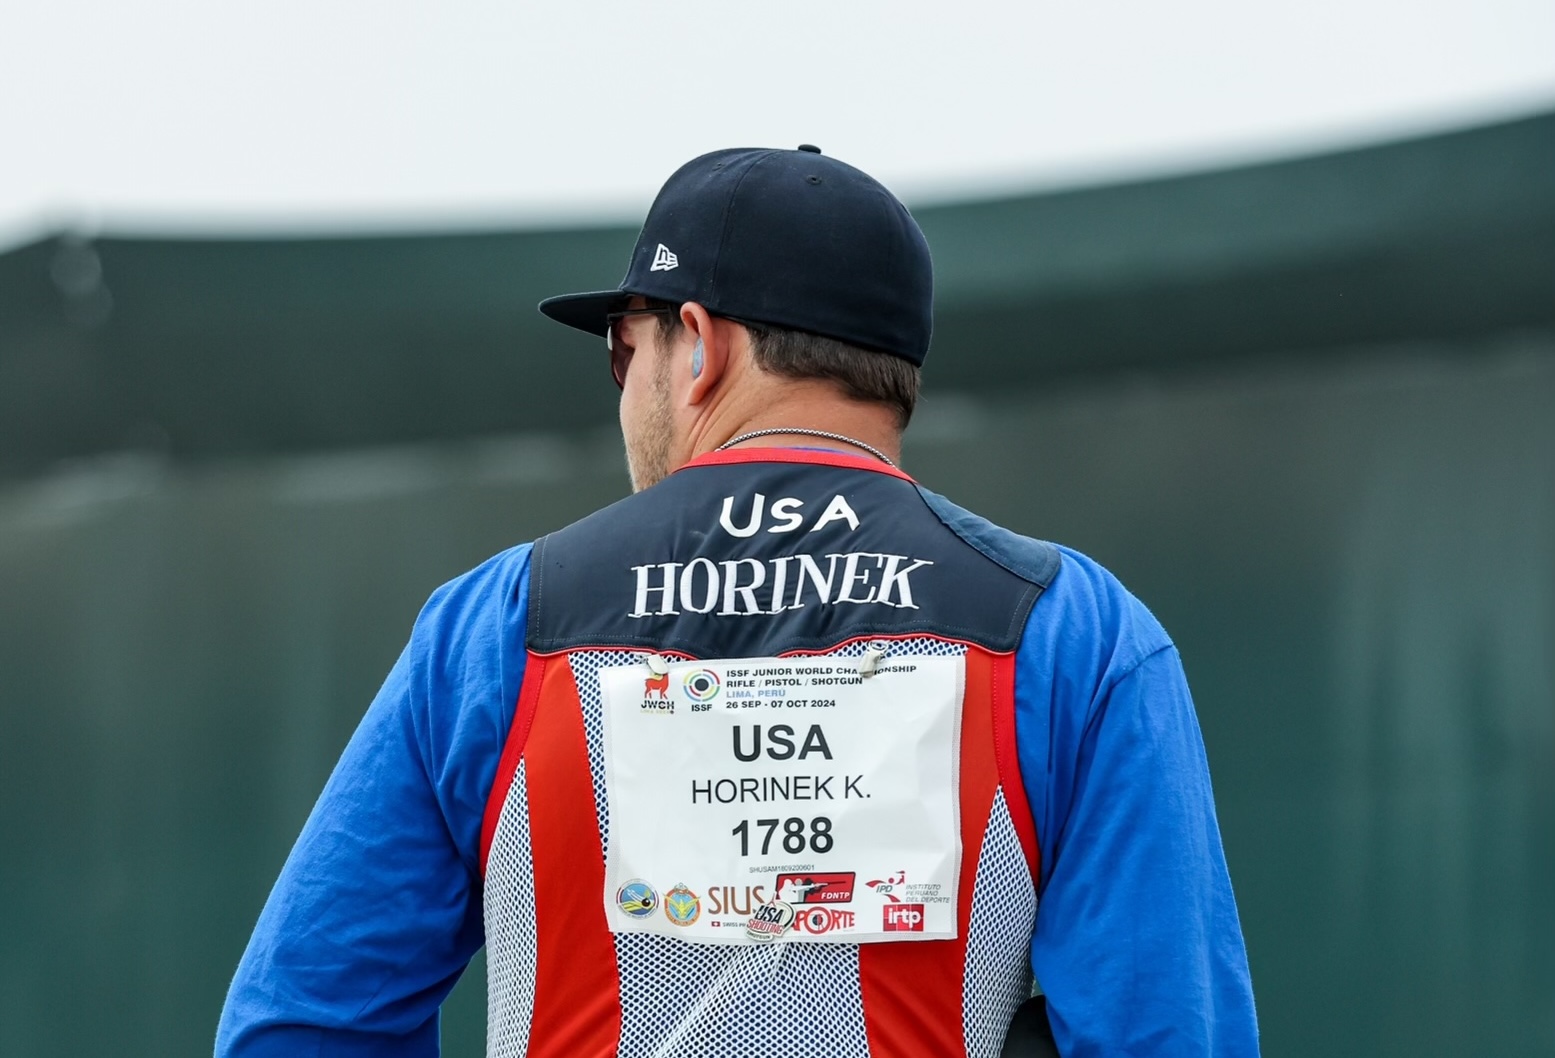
(863, 374)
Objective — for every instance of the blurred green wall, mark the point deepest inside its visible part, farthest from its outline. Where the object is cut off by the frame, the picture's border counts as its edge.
(1348, 525)
(1357, 560)
(202, 348)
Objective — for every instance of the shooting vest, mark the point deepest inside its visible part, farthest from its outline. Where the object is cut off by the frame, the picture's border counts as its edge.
(810, 594)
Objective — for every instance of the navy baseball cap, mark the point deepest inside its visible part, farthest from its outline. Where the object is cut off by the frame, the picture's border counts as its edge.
(792, 239)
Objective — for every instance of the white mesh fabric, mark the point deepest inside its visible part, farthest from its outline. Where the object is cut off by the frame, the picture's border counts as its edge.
(585, 672)
(925, 645)
(681, 1000)
(998, 947)
(510, 935)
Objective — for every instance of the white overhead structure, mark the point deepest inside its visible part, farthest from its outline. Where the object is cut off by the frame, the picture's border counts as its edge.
(173, 115)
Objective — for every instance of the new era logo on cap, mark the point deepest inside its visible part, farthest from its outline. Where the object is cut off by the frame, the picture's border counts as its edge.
(663, 260)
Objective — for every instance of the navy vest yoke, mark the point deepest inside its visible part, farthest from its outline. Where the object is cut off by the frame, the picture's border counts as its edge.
(755, 559)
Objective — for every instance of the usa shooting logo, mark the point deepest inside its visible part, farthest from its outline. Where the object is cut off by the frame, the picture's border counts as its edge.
(770, 922)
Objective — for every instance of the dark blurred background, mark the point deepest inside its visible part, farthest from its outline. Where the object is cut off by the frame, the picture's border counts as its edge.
(1305, 409)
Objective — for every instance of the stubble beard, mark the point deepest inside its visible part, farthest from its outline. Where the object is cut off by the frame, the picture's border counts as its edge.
(648, 452)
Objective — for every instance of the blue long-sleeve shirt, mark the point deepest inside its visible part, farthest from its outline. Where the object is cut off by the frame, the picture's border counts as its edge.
(1138, 946)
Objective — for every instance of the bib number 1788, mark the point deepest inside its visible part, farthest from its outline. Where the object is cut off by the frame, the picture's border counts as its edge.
(796, 838)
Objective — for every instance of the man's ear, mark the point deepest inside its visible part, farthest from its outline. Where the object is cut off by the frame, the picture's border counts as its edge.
(709, 351)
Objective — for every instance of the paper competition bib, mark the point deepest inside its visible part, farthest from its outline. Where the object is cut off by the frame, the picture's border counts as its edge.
(784, 800)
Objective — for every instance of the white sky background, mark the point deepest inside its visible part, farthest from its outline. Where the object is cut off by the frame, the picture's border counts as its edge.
(337, 115)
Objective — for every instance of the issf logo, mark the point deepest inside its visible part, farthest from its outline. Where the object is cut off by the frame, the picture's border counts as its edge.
(702, 685)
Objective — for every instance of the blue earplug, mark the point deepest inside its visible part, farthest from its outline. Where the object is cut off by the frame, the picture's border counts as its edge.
(696, 360)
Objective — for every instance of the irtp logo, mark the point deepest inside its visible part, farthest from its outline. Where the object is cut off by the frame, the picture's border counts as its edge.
(903, 918)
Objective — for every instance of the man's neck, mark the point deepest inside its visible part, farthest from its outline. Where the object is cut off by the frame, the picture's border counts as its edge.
(824, 440)
(861, 426)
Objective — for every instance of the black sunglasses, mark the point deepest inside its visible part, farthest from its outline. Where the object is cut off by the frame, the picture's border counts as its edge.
(615, 340)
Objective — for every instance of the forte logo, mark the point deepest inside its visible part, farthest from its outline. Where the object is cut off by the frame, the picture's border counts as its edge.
(903, 918)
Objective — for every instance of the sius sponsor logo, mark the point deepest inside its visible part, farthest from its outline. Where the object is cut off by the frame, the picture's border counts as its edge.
(734, 899)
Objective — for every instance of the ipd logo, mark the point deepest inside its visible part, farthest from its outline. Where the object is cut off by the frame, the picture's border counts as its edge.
(903, 918)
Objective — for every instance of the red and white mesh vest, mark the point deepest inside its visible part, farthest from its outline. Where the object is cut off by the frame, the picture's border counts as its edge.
(560, 983)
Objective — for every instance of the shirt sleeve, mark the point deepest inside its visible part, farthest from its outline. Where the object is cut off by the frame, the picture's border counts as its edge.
(377, 910)
(1138, 946)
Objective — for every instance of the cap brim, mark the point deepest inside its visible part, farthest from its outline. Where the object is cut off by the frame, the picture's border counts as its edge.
(586, 312)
